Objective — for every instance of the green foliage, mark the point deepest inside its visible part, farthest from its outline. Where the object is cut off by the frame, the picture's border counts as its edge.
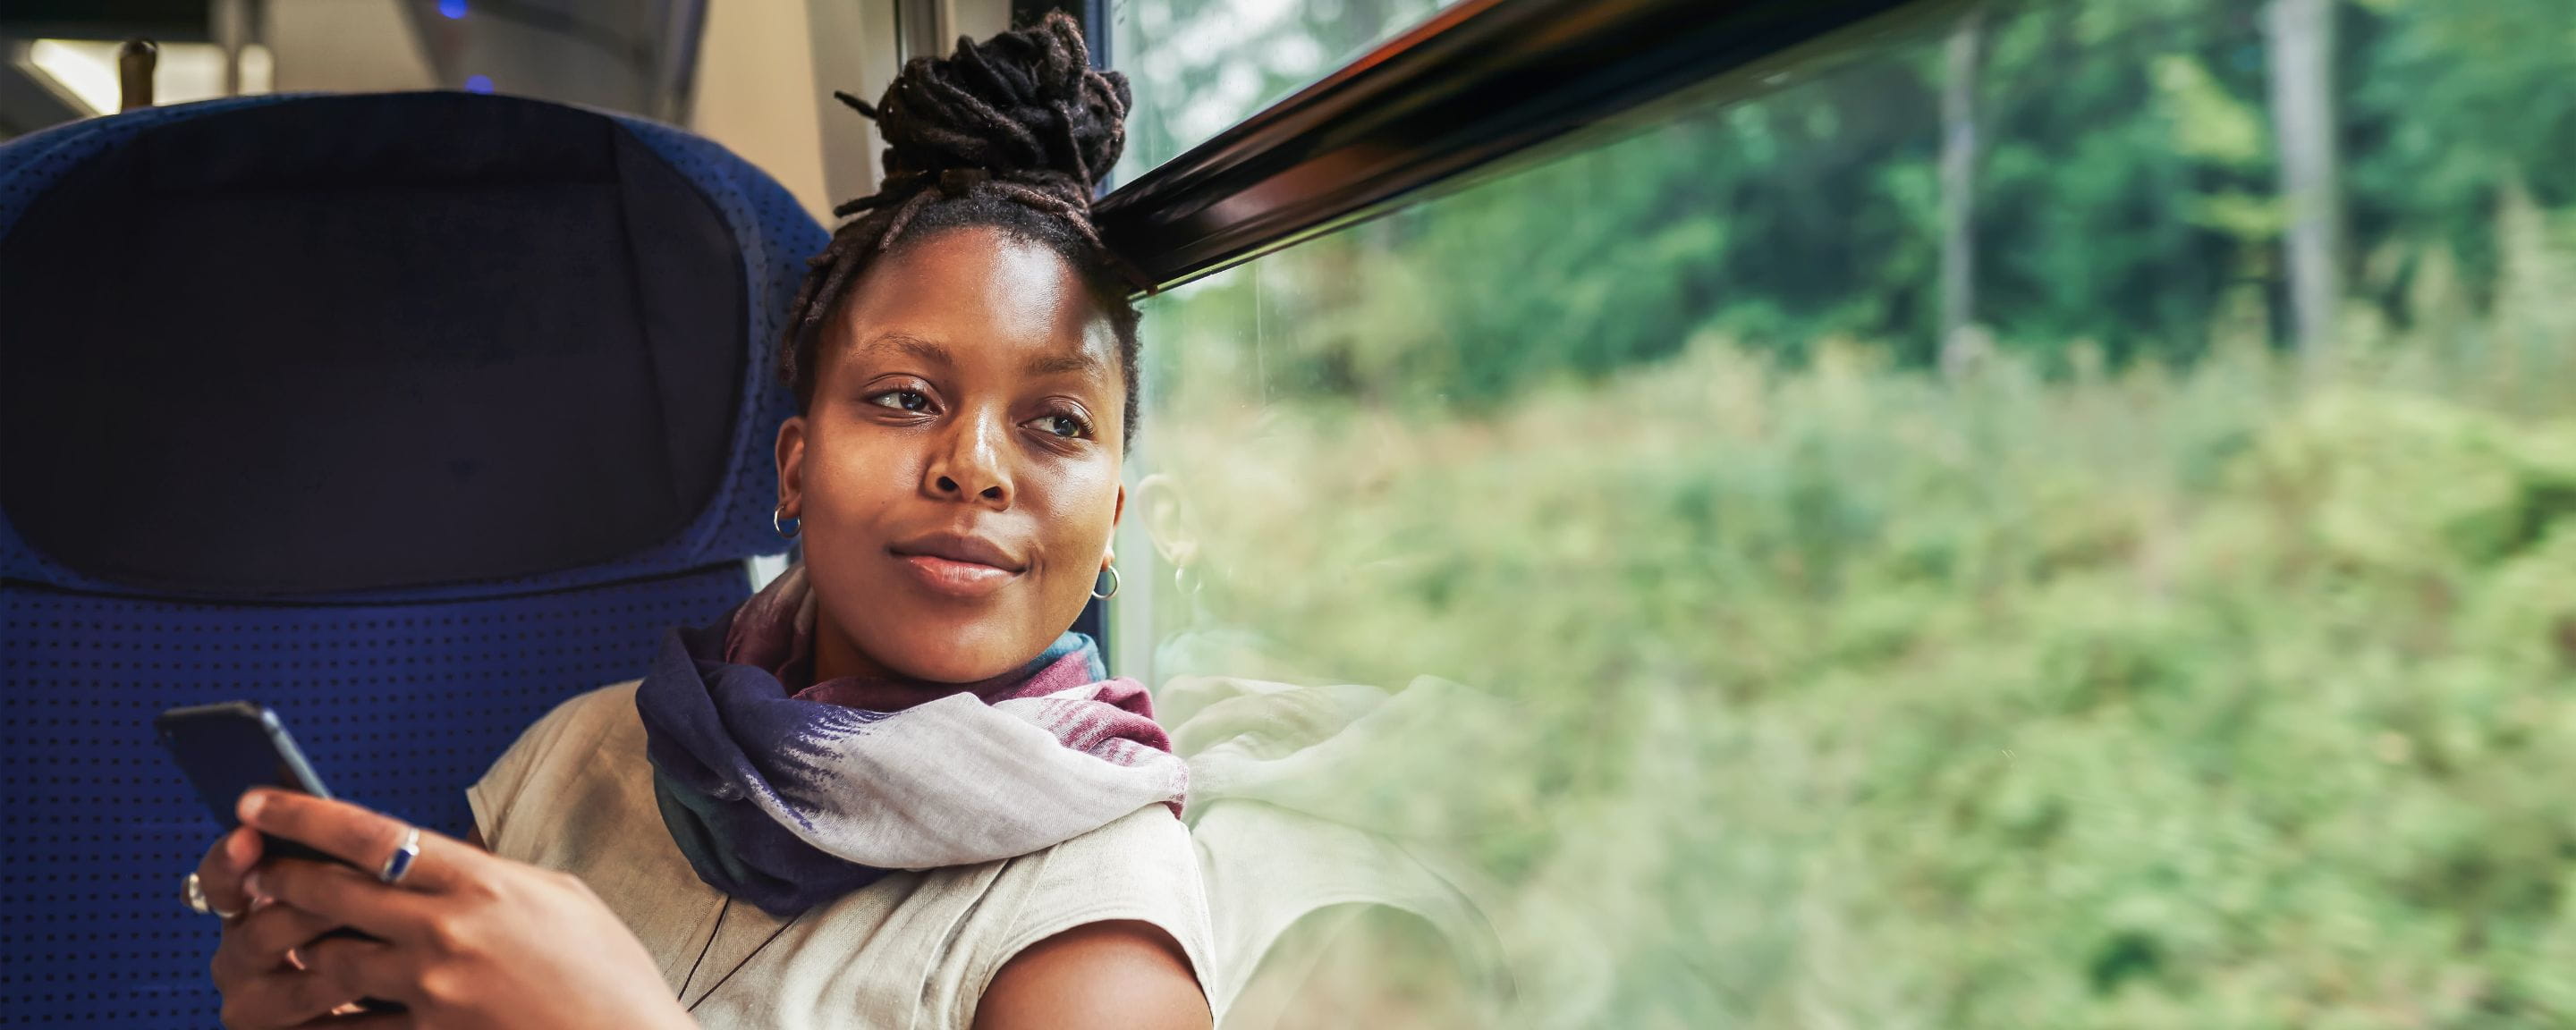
(2209, 124)
(2452, 104)
(2126, 196)
(2116, 674)
(1844, 696)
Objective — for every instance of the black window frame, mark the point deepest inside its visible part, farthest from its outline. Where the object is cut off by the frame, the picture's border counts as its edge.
(1480, 83)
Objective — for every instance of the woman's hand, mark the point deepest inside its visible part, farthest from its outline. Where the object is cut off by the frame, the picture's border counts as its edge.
(467, 939)
(261, 985)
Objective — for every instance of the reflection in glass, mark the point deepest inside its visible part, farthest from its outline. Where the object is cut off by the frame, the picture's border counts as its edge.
(1199, 66)
(1760, 642)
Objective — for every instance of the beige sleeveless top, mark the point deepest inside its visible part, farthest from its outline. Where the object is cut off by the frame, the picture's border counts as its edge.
(915, 949)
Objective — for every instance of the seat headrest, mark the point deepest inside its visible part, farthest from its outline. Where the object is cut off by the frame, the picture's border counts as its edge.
(368, 343)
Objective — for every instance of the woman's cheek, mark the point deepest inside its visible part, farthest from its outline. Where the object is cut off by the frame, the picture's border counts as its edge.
(1082, 519)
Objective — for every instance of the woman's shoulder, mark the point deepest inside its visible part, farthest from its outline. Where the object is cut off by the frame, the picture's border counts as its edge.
(561, 744)
(590, 709)
(1150, 841)
(580, 722)
(1140, 868)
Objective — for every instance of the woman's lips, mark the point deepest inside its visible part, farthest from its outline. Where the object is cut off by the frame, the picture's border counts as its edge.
(956, 578)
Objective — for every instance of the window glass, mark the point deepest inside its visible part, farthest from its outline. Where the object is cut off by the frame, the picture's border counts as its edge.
(1199, 66)
(1843, 578)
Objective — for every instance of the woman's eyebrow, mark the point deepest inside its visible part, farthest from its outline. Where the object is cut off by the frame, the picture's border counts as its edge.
(1082, 361)
(895, 343)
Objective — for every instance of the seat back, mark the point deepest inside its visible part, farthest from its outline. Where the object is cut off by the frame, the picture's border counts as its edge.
(406, 415)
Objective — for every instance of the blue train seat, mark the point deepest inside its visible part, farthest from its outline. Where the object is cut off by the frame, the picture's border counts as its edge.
(407, 415)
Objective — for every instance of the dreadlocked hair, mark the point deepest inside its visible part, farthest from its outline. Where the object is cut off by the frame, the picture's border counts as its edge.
(1013, 134)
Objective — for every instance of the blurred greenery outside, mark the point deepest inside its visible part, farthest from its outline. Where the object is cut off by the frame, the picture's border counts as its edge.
(2104, 665)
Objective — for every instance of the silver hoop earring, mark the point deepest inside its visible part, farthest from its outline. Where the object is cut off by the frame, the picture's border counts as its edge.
(1186, 580)
(777, 516)
(1112, 572)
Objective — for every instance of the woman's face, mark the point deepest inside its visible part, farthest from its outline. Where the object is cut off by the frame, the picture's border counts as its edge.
(957, 469)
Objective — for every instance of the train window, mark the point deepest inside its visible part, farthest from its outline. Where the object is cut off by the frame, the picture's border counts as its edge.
(2060, 516)
(1199, 66)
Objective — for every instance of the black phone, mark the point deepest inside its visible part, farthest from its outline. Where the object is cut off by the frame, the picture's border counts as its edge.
(227, 749)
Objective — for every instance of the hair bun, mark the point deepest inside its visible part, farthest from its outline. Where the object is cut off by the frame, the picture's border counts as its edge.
(1025, 106)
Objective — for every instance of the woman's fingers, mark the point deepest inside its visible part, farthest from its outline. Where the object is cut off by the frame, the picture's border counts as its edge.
(335, 973)
(360, 969)
(341, 896)
(219, 874)
(259, 942)
(299, 901)
(362, 838)
(282, 999)
(364, 1021)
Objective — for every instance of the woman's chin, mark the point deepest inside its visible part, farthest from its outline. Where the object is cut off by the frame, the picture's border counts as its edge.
(928, 637)
(968, 651)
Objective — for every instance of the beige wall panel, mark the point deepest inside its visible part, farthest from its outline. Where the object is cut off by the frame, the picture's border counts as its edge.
(766, 75)
(853, 51)
(757, 94)
(975, 19)
(345, 46)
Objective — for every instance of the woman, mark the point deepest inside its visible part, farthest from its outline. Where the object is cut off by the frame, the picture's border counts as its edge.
(890, 789)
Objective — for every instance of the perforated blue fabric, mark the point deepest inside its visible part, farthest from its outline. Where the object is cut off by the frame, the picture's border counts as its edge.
(401, 698)
(399, 707)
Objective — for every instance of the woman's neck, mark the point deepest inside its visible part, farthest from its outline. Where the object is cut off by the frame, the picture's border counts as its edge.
(864, 682)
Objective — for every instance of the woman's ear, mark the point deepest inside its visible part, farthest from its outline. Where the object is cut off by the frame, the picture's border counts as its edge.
(1109, 554)
(791, 467)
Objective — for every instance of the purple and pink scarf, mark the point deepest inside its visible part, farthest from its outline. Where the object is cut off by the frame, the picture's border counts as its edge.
(788, 797)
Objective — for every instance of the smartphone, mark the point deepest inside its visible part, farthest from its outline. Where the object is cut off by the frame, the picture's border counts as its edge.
(227, 749)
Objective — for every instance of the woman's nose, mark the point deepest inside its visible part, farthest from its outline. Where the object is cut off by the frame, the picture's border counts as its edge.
(955, 488)
(970, 463)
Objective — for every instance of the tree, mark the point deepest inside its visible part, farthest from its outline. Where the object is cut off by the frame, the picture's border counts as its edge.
(2299, 35)
(1959, 180)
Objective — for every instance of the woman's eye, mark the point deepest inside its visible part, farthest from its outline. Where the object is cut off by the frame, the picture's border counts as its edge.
(1063, 425)
(902, 400)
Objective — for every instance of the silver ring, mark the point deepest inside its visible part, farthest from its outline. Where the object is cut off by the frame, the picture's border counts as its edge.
(1112, 571)
(399, 863)
(193, 891)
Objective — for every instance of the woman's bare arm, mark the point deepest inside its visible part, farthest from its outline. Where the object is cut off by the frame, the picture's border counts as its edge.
(1096, 977)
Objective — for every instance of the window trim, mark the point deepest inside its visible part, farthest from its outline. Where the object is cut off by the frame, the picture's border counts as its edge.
(1481, 81)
